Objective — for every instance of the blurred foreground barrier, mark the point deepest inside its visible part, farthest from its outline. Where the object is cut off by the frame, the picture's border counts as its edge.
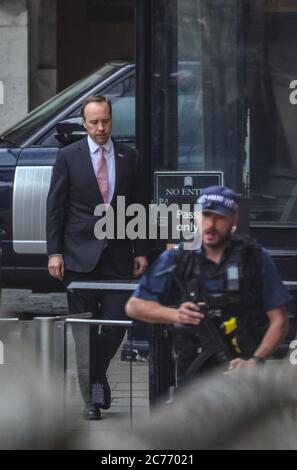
(254, 408)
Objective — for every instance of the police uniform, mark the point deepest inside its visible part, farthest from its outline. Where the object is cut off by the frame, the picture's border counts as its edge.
(261, 288)
(152, 287)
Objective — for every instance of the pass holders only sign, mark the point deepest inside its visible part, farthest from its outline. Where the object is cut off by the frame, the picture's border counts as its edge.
(176, 208)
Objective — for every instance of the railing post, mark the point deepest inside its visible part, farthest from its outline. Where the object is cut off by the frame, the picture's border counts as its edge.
(44, 347)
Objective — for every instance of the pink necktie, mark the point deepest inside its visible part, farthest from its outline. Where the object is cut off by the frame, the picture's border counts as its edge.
(102, 175)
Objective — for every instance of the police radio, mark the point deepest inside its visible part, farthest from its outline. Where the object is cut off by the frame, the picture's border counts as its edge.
(232, 277)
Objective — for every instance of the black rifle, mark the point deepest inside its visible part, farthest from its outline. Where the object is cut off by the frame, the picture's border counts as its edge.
(209, 331)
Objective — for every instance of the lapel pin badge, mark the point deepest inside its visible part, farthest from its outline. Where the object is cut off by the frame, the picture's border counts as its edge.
(121, 155)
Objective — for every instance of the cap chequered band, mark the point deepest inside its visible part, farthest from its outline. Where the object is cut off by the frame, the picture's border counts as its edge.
(219, 199)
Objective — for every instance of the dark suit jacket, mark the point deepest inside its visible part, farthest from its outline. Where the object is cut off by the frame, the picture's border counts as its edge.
(72, 198)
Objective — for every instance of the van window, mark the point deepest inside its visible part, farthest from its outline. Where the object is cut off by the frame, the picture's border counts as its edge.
(47, 111)
(122, 96)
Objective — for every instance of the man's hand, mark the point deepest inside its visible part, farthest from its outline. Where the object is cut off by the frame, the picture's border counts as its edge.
(56, 266)
(239, 363)
(140, 265)
(188, 313)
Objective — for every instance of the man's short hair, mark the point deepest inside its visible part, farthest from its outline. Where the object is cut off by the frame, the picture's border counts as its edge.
(96, 99)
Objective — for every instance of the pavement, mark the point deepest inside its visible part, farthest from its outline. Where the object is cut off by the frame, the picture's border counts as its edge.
(124, 412)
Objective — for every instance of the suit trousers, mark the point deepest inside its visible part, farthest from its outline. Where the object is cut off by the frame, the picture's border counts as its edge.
(96, 346)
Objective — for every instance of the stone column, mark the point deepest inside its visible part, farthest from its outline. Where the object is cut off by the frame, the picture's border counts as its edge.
(13, 62)
(42, 51)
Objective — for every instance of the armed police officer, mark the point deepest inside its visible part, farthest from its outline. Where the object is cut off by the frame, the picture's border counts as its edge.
(229, 292)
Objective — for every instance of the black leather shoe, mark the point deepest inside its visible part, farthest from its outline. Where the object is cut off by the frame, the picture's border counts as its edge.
(92, 413)
(100, 394)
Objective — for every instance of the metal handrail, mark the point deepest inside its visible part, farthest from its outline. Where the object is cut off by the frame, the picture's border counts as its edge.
(103, 285)
(11, 320)
(292, 285)
(94, 321)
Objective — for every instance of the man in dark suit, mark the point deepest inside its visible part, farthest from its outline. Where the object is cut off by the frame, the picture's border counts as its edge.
(94, 171)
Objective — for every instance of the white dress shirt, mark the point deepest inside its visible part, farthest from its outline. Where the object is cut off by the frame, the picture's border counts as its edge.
(110, 162)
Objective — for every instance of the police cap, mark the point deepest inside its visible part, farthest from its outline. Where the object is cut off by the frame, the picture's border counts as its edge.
(218, 199)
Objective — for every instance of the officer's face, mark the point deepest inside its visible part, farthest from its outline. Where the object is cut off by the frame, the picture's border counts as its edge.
(97, 121)
(216, 228)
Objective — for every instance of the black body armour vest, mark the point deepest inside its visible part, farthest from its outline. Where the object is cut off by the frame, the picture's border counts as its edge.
(193, 275)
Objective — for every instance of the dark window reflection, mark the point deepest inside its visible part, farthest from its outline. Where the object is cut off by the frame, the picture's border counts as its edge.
(222, 74)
